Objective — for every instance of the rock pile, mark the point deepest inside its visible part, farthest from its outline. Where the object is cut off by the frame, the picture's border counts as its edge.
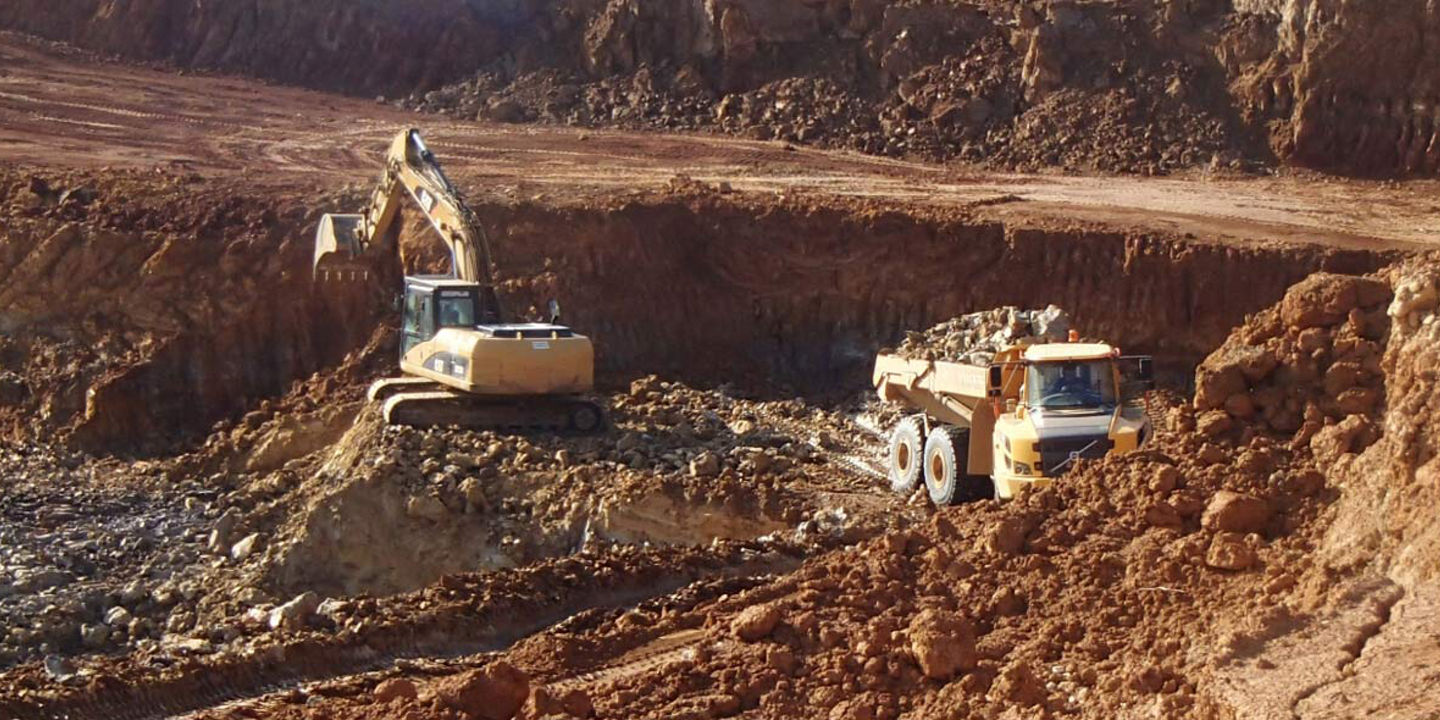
(975, 338)
(1310, 366)
(1008, 84)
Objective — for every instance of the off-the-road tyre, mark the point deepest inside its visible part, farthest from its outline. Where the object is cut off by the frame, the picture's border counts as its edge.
(947, 450)
(907, 447)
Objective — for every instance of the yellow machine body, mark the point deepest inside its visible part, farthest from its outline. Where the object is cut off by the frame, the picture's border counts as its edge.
(479, 361)
(1009, 434)
(462, 363)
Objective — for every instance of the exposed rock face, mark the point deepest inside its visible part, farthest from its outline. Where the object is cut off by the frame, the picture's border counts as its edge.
(140, 310)
(373, 47)
(1392, 484)
(1120, 85)
(1299, 62)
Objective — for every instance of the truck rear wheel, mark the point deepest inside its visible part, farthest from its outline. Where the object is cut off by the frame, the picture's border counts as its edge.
(907, 443)
(946, 452)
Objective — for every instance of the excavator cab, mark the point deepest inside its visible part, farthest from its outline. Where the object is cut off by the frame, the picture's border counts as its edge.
(435, 303)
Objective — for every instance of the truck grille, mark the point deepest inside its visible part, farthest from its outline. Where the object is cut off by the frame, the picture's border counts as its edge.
(1055, 452)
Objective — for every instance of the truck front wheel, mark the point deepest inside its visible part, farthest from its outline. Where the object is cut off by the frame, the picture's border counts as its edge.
(946, 451)
(906, 451)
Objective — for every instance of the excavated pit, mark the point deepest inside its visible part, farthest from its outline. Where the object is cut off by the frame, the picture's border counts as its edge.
(780, 300)
(777, 298)
(134, 354)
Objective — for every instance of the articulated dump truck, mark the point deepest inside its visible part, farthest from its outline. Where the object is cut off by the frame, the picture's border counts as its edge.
(1023, 420)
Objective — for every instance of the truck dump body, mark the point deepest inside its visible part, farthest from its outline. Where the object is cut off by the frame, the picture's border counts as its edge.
(953, 393)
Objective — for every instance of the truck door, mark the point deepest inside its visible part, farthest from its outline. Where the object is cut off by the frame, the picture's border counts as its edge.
(419, 323)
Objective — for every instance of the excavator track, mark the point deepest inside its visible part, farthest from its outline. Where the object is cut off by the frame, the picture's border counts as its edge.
(435, 408)
(385, 388)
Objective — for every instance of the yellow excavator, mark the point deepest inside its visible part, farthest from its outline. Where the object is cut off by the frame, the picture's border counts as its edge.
(463, 364)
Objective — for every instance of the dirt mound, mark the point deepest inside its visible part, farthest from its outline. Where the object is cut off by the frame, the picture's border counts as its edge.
(975, 338)
(1064, 601)
(678, 466)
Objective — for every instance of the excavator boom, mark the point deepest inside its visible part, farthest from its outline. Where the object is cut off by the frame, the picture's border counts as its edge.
(347, 246)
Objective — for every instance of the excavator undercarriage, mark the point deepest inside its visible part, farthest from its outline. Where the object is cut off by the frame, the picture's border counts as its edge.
(423, 403)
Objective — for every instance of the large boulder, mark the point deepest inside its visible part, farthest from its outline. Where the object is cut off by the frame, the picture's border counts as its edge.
(1327, 299)
(494, 692)
(755, 622)
(943, 644)
(1235, 512)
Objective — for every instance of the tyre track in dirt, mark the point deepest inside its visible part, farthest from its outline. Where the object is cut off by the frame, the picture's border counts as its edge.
(448, 634)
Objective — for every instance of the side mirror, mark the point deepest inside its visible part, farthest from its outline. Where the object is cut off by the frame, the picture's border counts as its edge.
(1144, 371)
(554, 308)
(997, 378)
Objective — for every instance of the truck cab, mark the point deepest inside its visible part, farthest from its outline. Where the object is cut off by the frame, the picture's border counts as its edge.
(1070, 404)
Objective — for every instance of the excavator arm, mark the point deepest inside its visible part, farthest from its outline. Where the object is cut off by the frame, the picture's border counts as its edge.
(348, 246)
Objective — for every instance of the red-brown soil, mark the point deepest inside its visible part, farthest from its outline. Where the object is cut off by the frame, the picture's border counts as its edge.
(201, 516)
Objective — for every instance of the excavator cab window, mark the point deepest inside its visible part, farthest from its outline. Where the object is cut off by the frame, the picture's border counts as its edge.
(457, 308)
(419, 319)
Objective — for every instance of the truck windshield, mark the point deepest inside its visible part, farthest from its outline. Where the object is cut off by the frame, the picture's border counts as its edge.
(1070, 385)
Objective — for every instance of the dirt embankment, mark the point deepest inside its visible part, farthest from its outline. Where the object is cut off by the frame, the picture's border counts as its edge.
(139, 308)
(153, 306)
(713, 287)
(1124, 86)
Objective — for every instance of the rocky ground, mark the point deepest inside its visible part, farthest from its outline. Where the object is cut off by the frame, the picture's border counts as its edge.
(1118, 85)
(975, 338)
(202, 517)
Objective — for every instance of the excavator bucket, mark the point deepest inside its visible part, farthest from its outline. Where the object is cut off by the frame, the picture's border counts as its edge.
(340, 250)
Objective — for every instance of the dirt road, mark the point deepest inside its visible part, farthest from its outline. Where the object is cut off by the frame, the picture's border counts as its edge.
(62, 108)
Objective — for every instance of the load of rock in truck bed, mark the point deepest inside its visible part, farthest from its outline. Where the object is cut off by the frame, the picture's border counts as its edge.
(975, 338)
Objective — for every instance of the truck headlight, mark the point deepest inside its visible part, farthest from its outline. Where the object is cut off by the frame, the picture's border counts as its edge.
(1020, 468)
